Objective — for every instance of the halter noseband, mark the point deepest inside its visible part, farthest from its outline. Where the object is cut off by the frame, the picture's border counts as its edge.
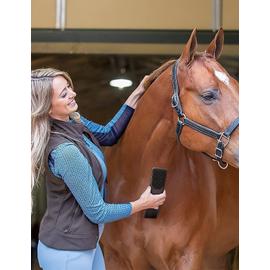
(223, 138)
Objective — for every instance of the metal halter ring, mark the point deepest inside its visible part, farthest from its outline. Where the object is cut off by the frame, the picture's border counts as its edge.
(221, 166)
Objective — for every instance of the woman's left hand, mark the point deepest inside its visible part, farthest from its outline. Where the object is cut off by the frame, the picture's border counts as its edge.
(137, 93)
(141, 87)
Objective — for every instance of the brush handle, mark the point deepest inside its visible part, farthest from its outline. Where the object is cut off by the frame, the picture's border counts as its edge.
(157, 187)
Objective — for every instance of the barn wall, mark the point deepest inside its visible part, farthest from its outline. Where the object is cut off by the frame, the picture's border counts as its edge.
(139, 14)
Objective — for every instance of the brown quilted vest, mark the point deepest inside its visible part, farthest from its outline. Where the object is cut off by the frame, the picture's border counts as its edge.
(64, 225)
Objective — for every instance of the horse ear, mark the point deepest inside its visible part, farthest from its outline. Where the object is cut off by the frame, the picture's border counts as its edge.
(216, 45)
(190, 48)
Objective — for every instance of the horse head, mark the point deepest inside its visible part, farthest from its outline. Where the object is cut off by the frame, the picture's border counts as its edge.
(207, 107)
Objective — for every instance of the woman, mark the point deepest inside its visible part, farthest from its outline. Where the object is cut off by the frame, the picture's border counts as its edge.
(66, 148)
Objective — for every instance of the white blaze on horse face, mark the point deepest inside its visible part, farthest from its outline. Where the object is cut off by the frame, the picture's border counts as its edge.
(222, 77)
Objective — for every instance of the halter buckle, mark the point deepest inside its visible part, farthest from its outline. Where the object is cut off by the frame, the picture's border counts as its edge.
(174, 101)
(179, 125)
(219, 153)
(224, 139)
(222, 142)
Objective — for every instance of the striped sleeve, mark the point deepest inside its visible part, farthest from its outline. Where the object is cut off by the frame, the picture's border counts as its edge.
(68, 163)
(110, 133)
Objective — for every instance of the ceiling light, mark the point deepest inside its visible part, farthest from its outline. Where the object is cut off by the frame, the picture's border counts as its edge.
(121, 83)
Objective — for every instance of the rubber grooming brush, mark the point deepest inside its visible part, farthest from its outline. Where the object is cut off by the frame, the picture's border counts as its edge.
(157, 187)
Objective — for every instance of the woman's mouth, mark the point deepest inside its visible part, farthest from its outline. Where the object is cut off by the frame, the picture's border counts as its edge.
(72, 103)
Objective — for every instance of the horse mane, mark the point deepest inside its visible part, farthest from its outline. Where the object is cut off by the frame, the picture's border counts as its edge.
(151, 78)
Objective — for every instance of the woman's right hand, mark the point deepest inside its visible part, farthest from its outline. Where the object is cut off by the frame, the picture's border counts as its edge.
(148, 200)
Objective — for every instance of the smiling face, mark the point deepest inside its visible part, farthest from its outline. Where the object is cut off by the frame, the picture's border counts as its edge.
(63, 99)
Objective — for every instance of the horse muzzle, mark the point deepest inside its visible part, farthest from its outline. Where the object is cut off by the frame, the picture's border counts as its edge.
(231, 153)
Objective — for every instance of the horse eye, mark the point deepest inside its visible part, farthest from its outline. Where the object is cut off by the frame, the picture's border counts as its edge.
(209, 96)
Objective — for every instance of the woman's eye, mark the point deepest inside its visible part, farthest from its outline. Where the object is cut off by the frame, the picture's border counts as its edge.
(64, 95)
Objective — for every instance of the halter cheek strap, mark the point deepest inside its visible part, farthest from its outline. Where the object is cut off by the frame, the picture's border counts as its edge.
(223, 138)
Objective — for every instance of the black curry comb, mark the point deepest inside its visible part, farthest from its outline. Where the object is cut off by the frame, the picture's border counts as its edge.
(157, 187)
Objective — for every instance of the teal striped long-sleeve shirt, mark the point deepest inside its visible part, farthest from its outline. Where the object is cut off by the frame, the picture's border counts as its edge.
(68, 163)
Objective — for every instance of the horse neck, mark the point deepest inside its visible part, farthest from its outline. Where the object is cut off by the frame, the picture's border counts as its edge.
(152, 127)
(155, 105)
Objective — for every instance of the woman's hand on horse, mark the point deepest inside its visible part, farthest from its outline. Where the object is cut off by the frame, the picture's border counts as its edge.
(137, 93)
(148, 200)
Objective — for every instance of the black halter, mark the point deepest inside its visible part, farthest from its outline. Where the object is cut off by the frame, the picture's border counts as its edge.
(223, 138)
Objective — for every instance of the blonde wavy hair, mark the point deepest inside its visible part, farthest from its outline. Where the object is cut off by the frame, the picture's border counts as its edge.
(41, 97)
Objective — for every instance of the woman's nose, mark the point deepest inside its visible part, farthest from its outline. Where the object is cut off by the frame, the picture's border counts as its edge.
(72, 94)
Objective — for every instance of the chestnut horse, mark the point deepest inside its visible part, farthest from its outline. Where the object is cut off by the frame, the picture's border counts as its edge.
(197, 226)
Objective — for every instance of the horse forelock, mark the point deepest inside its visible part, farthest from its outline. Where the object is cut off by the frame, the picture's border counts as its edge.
(198, 56)
(214, 67)
(155, 74)
(202, 57)
(207, 61)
